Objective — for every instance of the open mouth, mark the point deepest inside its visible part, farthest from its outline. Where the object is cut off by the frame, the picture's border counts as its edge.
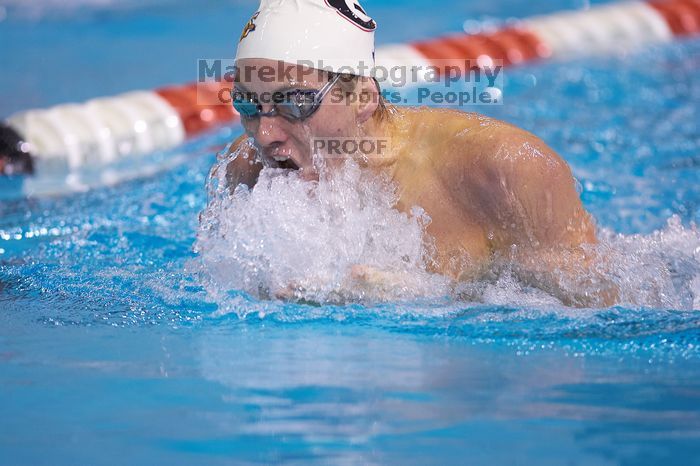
(287, 164)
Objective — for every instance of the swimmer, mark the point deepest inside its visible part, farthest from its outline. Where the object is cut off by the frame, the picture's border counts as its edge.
(497, 196)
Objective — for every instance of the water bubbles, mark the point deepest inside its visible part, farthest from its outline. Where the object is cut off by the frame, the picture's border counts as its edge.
(658, 270)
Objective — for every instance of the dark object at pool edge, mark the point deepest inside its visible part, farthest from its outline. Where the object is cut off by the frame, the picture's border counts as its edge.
(14, 159)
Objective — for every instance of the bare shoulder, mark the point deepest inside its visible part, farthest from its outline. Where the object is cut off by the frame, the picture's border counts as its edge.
(510, 176)
(455, 136)
(527, 168)
(490, 148)
(466, 145)
(448, 121)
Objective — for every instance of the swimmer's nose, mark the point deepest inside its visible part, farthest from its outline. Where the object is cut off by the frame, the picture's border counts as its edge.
(269, 132)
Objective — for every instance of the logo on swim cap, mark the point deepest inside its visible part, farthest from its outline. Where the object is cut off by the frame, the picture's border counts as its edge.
(249, 27)
(354, 13)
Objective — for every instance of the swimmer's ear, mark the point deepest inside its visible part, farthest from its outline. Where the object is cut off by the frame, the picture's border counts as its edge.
(368, 99)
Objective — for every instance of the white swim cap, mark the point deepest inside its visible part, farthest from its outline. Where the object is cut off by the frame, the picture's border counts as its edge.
(336, 35)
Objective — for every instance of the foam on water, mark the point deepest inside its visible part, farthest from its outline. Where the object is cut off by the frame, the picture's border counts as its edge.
(659, 270)
(301, 239)
(295, 239)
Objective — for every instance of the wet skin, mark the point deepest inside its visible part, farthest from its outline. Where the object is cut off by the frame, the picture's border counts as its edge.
(495, 194)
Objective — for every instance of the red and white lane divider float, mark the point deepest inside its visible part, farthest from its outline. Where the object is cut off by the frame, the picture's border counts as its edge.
(64, 139)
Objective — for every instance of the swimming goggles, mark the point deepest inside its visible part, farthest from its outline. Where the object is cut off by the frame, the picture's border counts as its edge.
(297, 104)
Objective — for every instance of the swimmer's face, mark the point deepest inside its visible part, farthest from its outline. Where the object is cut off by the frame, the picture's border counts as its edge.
(287, 143)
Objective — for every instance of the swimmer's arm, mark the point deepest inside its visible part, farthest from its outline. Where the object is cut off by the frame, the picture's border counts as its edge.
(576, 276)
(240, 170)
(542, 226)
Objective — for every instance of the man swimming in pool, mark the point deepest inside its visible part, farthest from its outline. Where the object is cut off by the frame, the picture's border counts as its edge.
(495, 194)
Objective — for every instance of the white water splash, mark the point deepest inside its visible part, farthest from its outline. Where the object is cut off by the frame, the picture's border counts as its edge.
(303, 240)
(660, 270)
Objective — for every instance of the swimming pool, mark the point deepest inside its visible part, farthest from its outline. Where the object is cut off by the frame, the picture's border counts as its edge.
(112, 351)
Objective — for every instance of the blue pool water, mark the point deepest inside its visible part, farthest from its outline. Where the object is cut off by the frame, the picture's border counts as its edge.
(113, 351)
